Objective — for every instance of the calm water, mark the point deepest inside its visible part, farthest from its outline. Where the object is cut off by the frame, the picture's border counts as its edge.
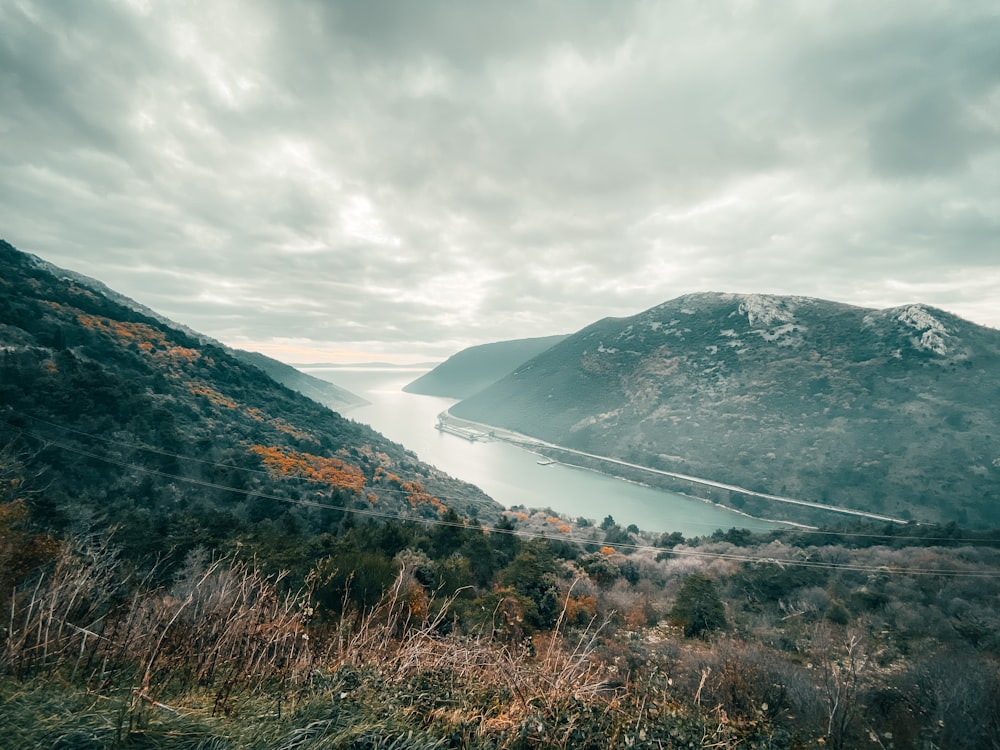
(511, 475)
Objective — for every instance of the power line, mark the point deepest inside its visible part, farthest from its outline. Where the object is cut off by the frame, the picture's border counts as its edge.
(400, 492)
(686, 552)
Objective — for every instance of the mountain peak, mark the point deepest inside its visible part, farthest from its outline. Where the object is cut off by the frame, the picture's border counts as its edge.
(932, 332)
(920, 323)
(890, 410)
(766, 309)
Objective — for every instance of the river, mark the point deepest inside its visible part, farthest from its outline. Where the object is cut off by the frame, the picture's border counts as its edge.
(513, 476)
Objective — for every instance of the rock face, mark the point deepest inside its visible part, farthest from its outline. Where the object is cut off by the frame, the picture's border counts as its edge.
(473, 369)
(894, 411)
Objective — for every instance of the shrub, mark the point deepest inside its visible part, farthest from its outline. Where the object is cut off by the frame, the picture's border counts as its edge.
(698, 608)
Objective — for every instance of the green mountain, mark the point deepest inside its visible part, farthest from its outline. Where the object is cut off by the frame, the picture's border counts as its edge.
(892, 411)
(110, 417)
(326, 393)
(473, 369)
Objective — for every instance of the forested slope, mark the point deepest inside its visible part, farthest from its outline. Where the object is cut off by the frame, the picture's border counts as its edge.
(125, 421)
(471, 370)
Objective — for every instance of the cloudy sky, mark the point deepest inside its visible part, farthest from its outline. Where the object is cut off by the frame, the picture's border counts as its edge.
(369, 179)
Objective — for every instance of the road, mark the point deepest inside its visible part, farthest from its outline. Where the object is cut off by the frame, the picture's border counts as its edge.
(529, 443)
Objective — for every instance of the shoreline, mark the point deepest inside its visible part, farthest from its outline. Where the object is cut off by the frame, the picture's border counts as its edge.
(528, 443)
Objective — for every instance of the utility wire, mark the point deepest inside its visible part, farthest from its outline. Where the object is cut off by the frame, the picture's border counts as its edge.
(686, 552)
(389, 490)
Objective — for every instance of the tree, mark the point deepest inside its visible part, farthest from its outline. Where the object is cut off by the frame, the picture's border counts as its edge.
(533, 573)
(698, 608)
(844, 658)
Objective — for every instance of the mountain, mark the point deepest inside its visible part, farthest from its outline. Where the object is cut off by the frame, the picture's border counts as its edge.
(111, 417)
(473, 369)
(893, 411)
(326, 393)
(321, 391)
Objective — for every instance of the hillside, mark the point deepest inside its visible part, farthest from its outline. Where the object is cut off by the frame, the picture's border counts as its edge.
(193, 556)
(328, 394)
(892, 411)
(321, 391)
(111, 417)
(473, 369)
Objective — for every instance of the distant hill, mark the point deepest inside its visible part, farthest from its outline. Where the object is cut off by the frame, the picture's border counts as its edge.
(321, 391)
(473, 369)
(111, 417)
(894, 411)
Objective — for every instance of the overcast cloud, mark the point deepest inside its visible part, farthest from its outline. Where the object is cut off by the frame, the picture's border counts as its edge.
(397, 180)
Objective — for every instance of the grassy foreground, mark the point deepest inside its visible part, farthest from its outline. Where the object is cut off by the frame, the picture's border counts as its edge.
(223, 662)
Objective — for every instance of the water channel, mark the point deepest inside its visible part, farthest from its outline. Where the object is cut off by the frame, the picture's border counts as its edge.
(512, 475)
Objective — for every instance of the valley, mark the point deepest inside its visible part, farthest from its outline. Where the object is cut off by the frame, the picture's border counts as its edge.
(193, 554)
(511, 473)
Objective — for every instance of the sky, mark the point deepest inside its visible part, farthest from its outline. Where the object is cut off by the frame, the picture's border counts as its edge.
(390, 180)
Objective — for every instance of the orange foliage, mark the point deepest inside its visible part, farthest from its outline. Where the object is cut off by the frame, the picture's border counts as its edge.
(416, 494)
(636, 618)
(607, 550)
(519, 515)
(580, 609)
(200, 389)
(552, 519)
(289, 429)
(121, 329)
(147, 338)
(332, 471)
(182, 353)
(564, 528)
(416, 600)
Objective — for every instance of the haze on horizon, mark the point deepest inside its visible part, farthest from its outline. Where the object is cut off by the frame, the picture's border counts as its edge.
(395, 181)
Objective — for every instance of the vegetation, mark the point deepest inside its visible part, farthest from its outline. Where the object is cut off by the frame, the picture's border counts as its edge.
(125, 420)
(892, 412)
(698, 608)
(409, 636)
(194, 557)
(472, 369)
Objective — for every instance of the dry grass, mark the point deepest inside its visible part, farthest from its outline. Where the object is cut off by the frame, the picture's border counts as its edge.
(222, 624)
(220, 659)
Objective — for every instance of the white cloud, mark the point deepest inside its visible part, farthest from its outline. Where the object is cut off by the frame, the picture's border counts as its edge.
(399, 176)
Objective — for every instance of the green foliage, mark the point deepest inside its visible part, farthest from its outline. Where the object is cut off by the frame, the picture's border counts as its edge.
(769, 582)
(602, 569)
(137, 424)
(698, 608)
(352, 577)
(533, 574)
